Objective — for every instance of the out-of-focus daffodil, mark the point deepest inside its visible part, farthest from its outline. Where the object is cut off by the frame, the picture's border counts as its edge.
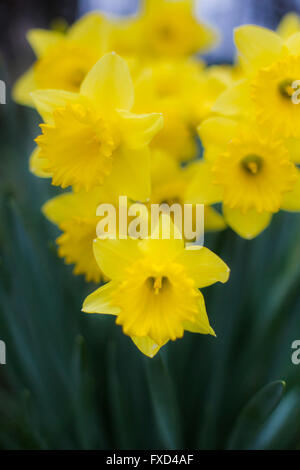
(154, 288)
(63, 59)
(189, 86)
(163, 28)
(184, 91)
(169, 185)
(75, 215)
(153, 93)
(251, 172)
(271, 66)
(91, 138)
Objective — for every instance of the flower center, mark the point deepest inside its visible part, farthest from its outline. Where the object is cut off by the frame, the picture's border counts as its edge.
(259, 179)
(166, 33)
(156, 300)
(273, 93)
(285, 88)
(158, 284)
(252, 164)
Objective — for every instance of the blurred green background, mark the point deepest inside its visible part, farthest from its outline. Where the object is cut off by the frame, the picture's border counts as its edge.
(74, 381)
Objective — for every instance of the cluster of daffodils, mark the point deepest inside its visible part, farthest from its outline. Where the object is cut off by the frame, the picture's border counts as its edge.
(123, 103)
(252, 139)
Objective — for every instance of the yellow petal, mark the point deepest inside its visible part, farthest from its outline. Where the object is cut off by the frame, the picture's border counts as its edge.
(162, 165)
(166, 239)
(75, 246)
(291, 200)
(23, 87)
(109, 84)
(61, 208)
(147, 346)
(208, 36)
(289, 25)
(92, 31)
(204, 266)
(154, 5)
(201, 324)
(42, 39)
(215, 133)
(293, 43)
(114, 256)
(258, 46)
(46, 101)
(139, 129)
(235, 101)
(100, 300)
(293, 146)
(213, 221)
(247, 225)
(131, 173)
(69, 205)
(201, 190)
(57, 209)
(36, 164)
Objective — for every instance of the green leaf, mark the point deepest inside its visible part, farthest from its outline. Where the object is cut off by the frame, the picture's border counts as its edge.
(164, 402)
(254, 415)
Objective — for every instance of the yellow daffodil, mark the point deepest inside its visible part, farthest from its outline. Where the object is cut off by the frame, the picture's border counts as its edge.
(184, 91)
(188, 86)
(63, 59)
(176, 137)
(154, 288)
(170, 182)
(168, 28)
(271, 65)
(75, 215)
(251, 172)
(91, 138)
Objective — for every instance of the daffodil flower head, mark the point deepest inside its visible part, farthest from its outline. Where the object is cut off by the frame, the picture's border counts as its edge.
(63, 59)
(155, 92)
(170, 28)
(272, 69)
(91, 137)
(173, 78)
(252, 174)
(184, 91)
(272, 92)
(154, 288)
(187, 86)
(75, 215)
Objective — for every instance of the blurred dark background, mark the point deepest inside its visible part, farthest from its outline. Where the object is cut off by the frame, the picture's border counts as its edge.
(18, 16)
